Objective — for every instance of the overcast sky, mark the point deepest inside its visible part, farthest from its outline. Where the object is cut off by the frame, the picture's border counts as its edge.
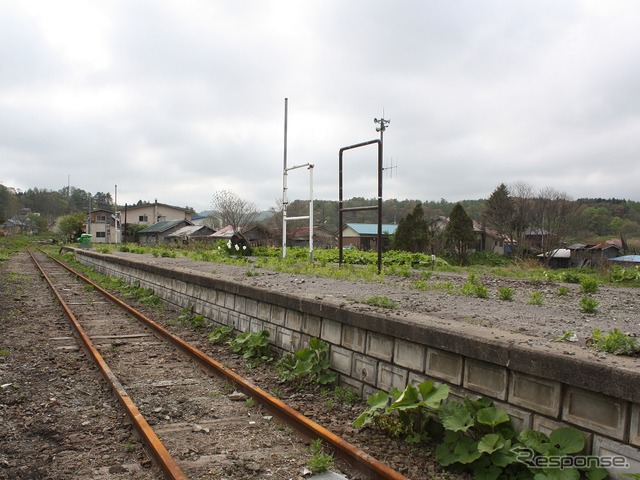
(176, 100)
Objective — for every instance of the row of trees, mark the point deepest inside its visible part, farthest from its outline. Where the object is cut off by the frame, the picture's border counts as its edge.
(510, 210)
(454, 237)
(517, 214)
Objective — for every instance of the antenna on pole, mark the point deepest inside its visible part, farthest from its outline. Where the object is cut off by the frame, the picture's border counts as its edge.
(391, 168)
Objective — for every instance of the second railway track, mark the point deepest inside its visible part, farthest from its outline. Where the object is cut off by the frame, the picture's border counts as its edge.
(199, 424)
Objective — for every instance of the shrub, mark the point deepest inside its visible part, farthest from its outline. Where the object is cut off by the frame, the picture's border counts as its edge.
(383, 302)
(474, 288)
(506, 293)
(588, 285)
(588, 304)
(310, 364)
(535, 298)
(614, 342)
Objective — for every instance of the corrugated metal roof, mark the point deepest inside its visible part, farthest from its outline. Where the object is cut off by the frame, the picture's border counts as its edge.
(627, 258)
(372, 228)
(557, 253)
(225, 232)
(187, 231)
(161, 226)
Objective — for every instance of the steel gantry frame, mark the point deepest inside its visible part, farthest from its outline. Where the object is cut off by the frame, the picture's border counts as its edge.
(378, 207)
(285, 187)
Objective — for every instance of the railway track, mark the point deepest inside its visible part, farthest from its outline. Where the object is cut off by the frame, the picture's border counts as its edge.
(211, 423)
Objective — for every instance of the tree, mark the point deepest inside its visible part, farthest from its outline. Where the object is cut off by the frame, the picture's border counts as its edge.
(71, 226)
(9, 203)
(234, 211)
(522, 195)
(555, 216)
(459, 231)
(499, 211)
(412, 234)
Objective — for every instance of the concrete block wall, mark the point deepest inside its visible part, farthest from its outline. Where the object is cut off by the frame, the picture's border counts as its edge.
(538, 387)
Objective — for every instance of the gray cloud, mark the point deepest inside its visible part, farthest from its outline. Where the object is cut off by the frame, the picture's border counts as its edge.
(175, 101)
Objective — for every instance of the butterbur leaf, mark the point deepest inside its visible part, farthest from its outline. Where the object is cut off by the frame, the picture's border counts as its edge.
(378, 400)
(486, 472)
(536, 441)
(560, 474)
(504, 456)
(444, 454)
(407, 399)
(431, 395)
(567, 440)
(492, 416)
(467, 450)
(490, 443)
(599, 473)
(455, 417)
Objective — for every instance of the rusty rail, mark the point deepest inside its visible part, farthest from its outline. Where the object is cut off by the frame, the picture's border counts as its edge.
(360, 460)
(156, 447)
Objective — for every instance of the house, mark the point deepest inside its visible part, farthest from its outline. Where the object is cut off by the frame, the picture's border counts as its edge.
(558, 258)
(322, 238)
(189, 234)
(228, 233)
(101, 225)
(157, 233)
(364, 236)
(259, 236)
(584, 255)
(488, 240)
(13, 226)
(152, 213)
(20, 223)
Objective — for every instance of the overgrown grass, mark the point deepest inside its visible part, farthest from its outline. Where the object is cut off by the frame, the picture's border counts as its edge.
(362, 265)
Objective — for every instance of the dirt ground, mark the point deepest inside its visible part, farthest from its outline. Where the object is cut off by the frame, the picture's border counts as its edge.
(59, 421)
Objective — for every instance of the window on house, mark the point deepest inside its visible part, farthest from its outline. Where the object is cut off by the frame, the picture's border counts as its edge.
(101, 218)
(101, 234)
(143, 218)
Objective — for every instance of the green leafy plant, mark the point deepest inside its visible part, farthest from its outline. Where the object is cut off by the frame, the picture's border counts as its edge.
(474, 288)
(589, 285)
(404, 413)
(506, 293)
(221, 334)
(563, 291)
(378, 301)
(254, 346)
(188, 317)
(544, 454)
(310, 364)
(569, 335)
(588, 304)
(320, 461)
(571, 277)
(535, 298)
(625, 275)
(615, 342)
(478, 438)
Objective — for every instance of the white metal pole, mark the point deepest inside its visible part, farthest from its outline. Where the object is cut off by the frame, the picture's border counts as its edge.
(284, 184)
(311, 213)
